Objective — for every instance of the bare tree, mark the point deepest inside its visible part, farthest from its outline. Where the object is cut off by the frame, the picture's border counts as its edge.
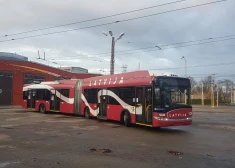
(206, 82)
(193, 85)
(225, 88)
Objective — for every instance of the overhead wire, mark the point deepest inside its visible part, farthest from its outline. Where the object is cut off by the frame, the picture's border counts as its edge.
(194, 66)
(109, 23)
(180, 46)
(154, 48)
(90, 57)
(94, 19)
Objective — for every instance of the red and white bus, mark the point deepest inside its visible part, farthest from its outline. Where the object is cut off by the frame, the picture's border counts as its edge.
(140, 97)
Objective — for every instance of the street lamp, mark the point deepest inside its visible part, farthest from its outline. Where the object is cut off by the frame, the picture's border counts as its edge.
(185, 65)
(112, 49)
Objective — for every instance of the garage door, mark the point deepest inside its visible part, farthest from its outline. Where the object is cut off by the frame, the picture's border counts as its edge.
(5, 88)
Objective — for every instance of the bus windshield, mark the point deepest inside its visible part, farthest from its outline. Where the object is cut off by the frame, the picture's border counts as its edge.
(171, 92)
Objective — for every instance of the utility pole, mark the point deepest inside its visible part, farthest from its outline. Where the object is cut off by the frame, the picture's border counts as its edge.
(38, 55)
(212, 94)
(202, 95)
(112, 56)
(113, 49)
(45, 58)
(217, 95)
(231, 94)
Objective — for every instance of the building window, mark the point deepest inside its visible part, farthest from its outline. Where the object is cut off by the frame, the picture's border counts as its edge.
(6, 74)
(30, 78)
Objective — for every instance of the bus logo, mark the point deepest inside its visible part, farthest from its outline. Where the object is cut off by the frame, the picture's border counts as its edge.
(177, 115)
(109, 81)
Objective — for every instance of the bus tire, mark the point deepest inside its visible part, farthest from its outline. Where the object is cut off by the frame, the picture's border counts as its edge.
(127, 118)
(87, 113)
(42, 108)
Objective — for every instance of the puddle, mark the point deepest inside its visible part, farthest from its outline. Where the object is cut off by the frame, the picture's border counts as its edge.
(116, 126)
(85, 127)
(7, 163)
(175, 153)
(7, 127)
(101, 150)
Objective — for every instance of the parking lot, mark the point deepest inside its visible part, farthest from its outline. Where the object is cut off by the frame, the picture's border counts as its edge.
(31, 139)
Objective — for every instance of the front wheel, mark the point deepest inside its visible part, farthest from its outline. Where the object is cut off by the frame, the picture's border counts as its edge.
(42, 109)
(127, 119)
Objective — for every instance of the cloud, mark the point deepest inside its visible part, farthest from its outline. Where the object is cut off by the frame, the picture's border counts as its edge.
(79, 48)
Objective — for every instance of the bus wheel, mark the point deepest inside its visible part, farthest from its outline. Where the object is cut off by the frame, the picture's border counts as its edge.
(42, 109)
(87, 113)
(126, 118)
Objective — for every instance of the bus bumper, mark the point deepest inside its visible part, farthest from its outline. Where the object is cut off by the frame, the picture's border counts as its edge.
(164, 122)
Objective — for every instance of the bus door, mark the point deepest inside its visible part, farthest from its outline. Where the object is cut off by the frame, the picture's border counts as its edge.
(143, 104)
(148, 104)
(103, 105)
(31, 98)
(55, 100)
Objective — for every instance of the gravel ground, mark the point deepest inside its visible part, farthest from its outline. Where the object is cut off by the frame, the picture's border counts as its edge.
(30, 139)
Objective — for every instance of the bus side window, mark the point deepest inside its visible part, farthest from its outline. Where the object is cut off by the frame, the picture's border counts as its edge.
(47, 94)
(139, 95)
(112, 100)
(91, 95)
(65, 93)
(127, 95)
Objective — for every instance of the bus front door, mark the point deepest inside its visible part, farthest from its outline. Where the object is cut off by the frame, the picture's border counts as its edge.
(143, 105)
(31, 99)
(103, 106)
(55, 101)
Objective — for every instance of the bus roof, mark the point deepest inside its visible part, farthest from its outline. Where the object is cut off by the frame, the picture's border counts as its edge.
(136, 78)
(123, 79)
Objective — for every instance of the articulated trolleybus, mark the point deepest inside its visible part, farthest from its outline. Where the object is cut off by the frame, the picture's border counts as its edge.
(140, 97)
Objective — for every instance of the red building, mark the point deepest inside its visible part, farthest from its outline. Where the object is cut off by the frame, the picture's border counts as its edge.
(15, 72)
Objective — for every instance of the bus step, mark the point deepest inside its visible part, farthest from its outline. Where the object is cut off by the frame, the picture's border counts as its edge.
(102, 117)
(148, 125)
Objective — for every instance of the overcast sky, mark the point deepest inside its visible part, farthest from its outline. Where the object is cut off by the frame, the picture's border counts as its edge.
(74, 47)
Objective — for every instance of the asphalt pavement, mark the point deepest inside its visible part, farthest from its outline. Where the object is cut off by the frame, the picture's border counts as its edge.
(31, 139)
